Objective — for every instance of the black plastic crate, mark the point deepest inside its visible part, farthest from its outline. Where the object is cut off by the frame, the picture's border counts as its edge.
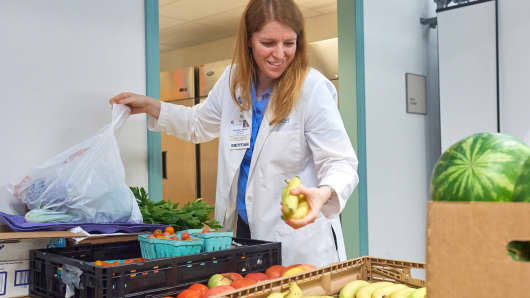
(146, 279)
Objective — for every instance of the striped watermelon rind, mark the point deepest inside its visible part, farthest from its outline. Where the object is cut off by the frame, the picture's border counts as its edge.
(482, 167)
(521, 192)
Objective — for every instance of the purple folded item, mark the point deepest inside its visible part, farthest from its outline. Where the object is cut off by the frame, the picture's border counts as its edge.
(19, 224)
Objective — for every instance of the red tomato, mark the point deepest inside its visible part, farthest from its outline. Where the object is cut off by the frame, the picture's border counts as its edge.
(185, 236)
(188, 293)
(274, 271)
(202, 289)
(244, 282)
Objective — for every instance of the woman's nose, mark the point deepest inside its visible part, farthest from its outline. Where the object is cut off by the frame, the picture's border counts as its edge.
(279, 52)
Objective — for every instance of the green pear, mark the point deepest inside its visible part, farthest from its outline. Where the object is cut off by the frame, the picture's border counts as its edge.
(351, 288)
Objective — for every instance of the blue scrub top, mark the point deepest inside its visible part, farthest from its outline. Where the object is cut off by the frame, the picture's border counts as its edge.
(258, 110)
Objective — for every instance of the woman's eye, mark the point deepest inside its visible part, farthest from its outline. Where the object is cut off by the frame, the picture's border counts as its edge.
(267, 44)
(290, 44)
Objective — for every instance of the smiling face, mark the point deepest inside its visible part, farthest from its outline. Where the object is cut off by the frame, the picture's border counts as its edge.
(273, 48)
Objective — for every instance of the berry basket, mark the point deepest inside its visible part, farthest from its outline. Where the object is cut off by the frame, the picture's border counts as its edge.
(153, 248)
(214, 241)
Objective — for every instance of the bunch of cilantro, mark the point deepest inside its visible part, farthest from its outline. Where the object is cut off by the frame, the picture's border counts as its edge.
(193, 215)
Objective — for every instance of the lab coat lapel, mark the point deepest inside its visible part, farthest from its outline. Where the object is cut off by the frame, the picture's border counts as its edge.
(236, 156)
(263, 133)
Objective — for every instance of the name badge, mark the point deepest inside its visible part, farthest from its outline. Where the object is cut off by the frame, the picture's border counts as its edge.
(239, 134)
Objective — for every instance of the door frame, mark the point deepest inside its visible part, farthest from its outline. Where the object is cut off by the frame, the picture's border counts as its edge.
(152, 68)
(351, 69)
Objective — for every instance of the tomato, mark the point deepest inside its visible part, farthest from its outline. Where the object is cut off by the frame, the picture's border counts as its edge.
(170, 230)
(185, 236)
(205, 229)
(244, 282)
(202, 289)
(274, 271)
(189, 293)
(157, 232)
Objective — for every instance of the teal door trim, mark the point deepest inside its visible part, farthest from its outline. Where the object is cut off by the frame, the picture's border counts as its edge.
(351, 106)
(347, 108)
(152, 66)
(361, 127)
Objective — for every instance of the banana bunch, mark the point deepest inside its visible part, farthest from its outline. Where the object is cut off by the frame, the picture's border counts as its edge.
(294, 206)
(381, 289)
(294, 292)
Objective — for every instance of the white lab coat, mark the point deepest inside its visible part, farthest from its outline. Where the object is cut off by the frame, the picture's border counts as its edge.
(311, 143)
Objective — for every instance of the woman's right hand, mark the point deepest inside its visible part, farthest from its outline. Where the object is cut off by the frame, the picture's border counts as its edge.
(138, 103)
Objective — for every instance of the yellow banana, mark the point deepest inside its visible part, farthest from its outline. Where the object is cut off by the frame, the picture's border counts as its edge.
(294, 291)
(418, 293)
(366, 292)
(290, 202)
(301, 211)
(277, 295)
(386, 291)
(351, 288)
(403, 293)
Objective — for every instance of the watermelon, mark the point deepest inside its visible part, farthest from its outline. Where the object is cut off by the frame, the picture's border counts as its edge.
(482, 167)
(522, 186)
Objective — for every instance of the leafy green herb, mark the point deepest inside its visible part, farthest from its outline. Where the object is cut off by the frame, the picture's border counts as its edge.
(193, 215)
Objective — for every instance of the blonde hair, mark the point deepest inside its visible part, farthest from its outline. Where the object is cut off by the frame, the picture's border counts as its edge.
(287, 88)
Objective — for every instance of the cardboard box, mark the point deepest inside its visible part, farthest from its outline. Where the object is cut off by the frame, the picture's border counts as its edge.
(14, 278)
(14, 257)
(466, 249)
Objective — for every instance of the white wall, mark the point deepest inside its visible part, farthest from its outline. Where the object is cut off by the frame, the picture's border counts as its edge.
(514, 68)
(318, 28)
(401, 148)
(61, 62)
(468, 72)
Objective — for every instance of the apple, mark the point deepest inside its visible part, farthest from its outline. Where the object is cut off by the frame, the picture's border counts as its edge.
(232, 275)
(218, 280)
(218, 291)
(257, 276)
(307, 267)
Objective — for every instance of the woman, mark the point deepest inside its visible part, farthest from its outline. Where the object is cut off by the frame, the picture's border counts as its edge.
(275, 119)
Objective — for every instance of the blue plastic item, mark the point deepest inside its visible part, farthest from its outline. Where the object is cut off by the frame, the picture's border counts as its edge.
(153, 248)
(215, 241)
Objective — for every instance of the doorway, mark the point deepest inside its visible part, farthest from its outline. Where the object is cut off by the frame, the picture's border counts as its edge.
(177, 50)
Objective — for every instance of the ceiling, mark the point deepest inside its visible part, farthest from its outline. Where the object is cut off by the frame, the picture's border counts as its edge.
(185, 23)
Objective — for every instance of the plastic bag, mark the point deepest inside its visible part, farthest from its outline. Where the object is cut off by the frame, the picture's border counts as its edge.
(84, 184)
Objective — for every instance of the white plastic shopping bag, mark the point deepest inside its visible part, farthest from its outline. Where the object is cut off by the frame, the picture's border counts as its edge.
(84, 184)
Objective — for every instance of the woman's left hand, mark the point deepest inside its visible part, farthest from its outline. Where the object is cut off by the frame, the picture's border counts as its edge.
(316, 198)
